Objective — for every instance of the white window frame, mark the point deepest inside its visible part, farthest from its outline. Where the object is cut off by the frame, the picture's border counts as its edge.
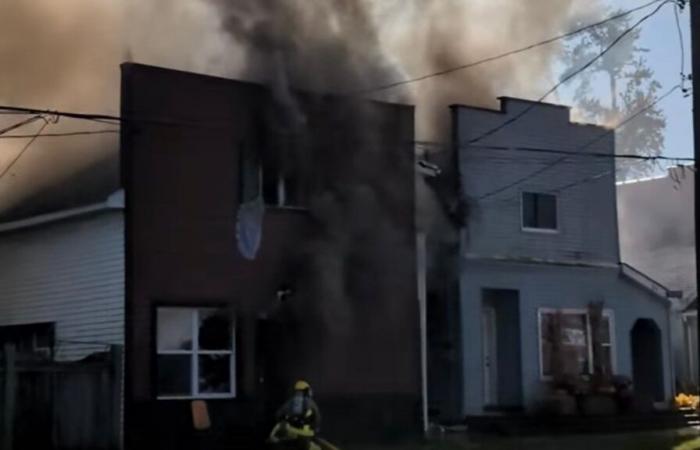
(533, 229)
(194, 354)
(607, 313)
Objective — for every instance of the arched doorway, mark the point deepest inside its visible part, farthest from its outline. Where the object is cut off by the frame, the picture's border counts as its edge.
(647, 359)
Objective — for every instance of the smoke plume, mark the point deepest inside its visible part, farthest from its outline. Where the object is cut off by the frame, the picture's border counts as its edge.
(65, 55)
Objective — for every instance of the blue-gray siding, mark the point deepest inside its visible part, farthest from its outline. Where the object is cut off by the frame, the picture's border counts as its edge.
(551, 287)
(587, 212)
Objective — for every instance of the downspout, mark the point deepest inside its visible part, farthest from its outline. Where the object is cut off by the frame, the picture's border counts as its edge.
(671, 355)
(421, 264)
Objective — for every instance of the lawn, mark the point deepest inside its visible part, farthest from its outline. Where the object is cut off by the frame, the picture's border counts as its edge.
(667, 440)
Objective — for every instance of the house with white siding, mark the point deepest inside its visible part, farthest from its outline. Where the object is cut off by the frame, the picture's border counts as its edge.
(62, 281)
(542, 292)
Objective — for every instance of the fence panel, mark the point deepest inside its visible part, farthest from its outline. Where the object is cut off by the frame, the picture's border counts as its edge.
(72, 406)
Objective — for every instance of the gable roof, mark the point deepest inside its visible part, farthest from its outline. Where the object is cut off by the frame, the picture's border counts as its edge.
(646, 282)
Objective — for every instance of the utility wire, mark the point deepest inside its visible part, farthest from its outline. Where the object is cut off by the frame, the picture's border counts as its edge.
(19, 124)
(567, 77)
(676, 8)
(63, 134)
(24, 149)
(577, 152)
(508, 53)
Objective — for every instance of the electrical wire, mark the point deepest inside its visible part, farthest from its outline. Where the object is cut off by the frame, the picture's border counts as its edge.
(62, 134)
(568, 77)
(681, 43)
(19, 124)
(577, 152)
(505, 54)
(24, 149)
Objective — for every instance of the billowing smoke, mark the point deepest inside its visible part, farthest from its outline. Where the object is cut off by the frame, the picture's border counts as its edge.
(657, 230)
(65, 55)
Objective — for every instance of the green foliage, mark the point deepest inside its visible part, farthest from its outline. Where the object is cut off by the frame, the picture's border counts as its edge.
(631, 88)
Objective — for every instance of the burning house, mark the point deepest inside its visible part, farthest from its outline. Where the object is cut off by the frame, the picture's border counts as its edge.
(268, 239)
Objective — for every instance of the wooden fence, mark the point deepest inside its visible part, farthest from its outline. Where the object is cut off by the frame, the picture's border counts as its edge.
(61, 406)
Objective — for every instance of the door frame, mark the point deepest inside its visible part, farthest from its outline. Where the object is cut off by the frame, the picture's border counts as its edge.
(489, 354)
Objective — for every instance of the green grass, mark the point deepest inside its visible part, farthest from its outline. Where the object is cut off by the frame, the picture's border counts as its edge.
(693, 444)
(667, 440)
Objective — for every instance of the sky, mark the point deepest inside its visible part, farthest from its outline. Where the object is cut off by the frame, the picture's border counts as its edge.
(660, 37)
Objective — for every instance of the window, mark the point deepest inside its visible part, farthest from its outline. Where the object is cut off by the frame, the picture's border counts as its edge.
(539, 211)
(281, 188)
(196, 356)
(603, 354)
(35, 340)
(567, 344)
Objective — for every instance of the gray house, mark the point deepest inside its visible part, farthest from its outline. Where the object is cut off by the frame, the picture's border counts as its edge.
(540, 247)
(62, 281)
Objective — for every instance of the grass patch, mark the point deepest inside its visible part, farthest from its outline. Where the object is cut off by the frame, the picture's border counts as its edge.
(689, 445)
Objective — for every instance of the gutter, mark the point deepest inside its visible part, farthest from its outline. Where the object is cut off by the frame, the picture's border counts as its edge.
(113, 202)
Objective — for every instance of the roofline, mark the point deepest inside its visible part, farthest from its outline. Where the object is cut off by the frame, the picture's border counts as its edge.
(128, 66)
(114, 202)
(502, 109)
(645, 281)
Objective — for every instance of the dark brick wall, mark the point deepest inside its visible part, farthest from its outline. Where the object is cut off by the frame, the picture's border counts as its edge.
(180, 152)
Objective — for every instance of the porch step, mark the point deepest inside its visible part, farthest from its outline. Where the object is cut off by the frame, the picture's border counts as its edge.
(521, 424)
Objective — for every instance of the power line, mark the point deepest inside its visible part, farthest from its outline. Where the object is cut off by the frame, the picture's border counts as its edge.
(24, 149)
(680, 41)
(577, 152)
(63, 134)
(567, 77)
(506, 54)
(19, 124)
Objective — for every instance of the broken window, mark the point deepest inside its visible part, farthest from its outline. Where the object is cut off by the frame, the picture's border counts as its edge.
(539, 211)
(281, 187)
(196, 353)
(250, 174)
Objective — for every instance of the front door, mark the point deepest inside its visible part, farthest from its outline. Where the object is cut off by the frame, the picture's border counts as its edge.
(490, 357)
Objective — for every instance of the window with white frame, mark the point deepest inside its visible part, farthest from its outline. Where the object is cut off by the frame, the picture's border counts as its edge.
(196, 353)
(539, 211)
(567, 344)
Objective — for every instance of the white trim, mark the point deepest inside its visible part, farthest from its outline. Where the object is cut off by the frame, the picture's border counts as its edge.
(540, 261)
(536, 229)
(113, 202)
(194, 354)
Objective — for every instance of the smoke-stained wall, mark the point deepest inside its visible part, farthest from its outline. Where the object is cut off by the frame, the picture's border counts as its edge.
(350, 323)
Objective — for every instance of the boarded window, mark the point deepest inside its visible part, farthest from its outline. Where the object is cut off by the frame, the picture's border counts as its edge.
(539, 211)
(196, 353)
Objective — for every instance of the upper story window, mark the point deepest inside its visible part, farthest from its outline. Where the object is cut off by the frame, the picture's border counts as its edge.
(278, 186)
(196, 353)
(539, 211)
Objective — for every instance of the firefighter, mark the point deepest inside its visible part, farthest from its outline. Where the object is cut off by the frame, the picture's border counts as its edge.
(300, 416)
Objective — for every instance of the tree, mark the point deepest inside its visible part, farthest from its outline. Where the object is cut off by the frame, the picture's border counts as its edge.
(631, 87)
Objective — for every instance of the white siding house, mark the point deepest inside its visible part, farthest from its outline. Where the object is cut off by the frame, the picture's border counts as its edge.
(62, 280)
(539, 248)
